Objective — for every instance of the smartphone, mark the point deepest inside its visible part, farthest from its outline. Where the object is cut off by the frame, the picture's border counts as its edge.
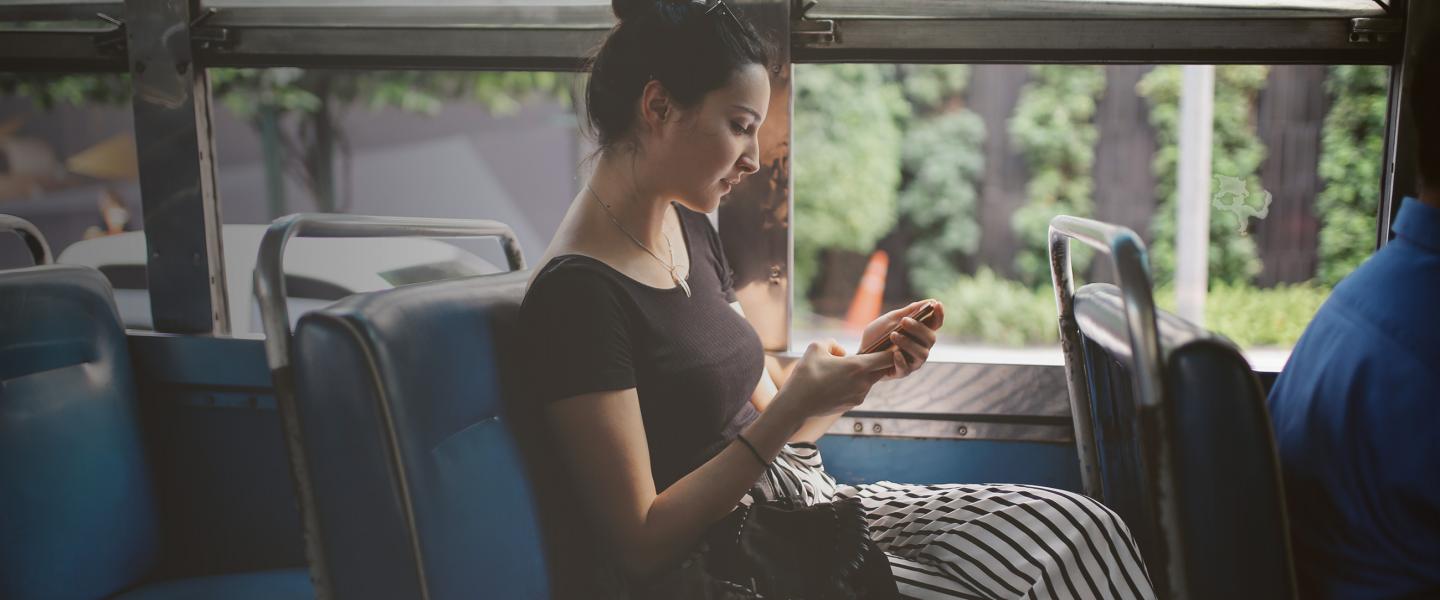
(925, 314)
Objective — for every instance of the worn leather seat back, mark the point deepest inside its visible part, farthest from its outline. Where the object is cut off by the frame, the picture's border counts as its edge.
(77, 512)
(421, 487)
(1230, 509)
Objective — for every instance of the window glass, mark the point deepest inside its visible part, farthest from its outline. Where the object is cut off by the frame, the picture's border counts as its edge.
(503, 146)
(67, 164)
(940, 181)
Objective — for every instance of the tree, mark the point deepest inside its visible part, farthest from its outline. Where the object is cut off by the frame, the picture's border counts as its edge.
(942, 162)
(312, 101)
(1054, 127)
(1237, 154)
(847, 128)
(1351, 147)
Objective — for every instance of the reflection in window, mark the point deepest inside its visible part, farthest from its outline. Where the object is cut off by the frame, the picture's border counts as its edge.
(484, 145)
(67, 158)
(940, 181)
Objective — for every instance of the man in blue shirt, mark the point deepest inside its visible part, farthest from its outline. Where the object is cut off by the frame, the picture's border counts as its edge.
(1357, 409)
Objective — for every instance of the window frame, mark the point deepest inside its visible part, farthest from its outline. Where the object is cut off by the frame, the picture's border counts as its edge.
(375, 34)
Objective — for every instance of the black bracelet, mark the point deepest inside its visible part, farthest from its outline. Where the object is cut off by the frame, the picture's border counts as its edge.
(747, 443)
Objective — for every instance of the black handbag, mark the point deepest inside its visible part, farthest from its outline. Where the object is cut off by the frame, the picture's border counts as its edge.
(782, 551)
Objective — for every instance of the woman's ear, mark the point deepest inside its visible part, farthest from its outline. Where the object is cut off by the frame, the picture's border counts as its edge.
(656, 105)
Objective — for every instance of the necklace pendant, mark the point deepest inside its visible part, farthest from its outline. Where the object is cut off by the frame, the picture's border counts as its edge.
(680, 282)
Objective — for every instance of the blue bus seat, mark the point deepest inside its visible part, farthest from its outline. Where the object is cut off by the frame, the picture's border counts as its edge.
(421, 487)
(279, 584)
(1229, 505)
(78, 512)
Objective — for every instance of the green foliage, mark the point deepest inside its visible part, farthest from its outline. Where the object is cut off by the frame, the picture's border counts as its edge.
(991, 309)
(314, 100)
(1054, 128)
(1351, 148)
(1237, 152)
(1253, 317)
(944, 157)
(933, 88)
(290, 90)
(847, 128)
(245, 91)
(48, 91)
(942, 160)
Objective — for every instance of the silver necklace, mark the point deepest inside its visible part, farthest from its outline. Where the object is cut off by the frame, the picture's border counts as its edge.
(673, 268)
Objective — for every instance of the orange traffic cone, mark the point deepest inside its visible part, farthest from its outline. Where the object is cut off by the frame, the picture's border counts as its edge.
(870, 294)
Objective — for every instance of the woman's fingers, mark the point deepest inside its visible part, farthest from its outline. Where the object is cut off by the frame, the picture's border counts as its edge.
(914, 350)
(874, 361)
(918, 331)
(904, 310)
(939, 318)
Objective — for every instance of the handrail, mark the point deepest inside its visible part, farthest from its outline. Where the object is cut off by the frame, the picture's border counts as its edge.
(275, 318)
(1127, 254)
(269, 271)
(39, 248)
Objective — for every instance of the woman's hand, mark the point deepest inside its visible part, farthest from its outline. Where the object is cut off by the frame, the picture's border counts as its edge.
(826, 381)
(914, 339)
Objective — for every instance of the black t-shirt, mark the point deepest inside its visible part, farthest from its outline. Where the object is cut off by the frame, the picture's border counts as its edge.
(694, 362)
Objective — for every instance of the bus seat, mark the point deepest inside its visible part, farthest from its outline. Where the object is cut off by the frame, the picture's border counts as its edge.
(279, 584)
(1228, 502)
(76, 497)
(420, 486)
(78, 513)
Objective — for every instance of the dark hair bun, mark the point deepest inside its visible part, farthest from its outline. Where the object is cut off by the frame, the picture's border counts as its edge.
(674, 42)
(626, 10)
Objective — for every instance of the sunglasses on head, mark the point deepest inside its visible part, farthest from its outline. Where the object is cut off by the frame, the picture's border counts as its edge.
(713, 7)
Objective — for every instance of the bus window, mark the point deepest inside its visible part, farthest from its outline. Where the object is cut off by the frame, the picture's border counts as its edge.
(483, 145)
(940, 180)
(67, 164)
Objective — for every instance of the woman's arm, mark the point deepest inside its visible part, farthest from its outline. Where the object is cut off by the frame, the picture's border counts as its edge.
(915, 342)
(604, 442)
(603, 439)
(808, 431)
(764, 394)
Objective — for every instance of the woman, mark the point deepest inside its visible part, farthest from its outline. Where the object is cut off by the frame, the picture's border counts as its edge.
(654, 383)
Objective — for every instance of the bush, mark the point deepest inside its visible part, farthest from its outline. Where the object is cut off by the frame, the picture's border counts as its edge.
(1253, 317)
(990, 309)
(1054, 127)
(943, 158)
(1351, 148)
(847, 128)
(1236, 155)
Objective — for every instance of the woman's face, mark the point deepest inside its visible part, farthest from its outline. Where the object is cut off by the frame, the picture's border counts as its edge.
(705, 152)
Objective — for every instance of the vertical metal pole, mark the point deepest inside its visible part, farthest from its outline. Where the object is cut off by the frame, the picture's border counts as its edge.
(270, 147)
(755, 218)
(173, 131)
(1192, 221)
(1072, 345)
(1398, 176)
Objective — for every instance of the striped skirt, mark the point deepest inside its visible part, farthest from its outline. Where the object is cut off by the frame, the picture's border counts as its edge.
(981, 541)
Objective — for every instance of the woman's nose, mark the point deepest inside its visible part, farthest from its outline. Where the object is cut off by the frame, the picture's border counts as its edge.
(750, 161)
